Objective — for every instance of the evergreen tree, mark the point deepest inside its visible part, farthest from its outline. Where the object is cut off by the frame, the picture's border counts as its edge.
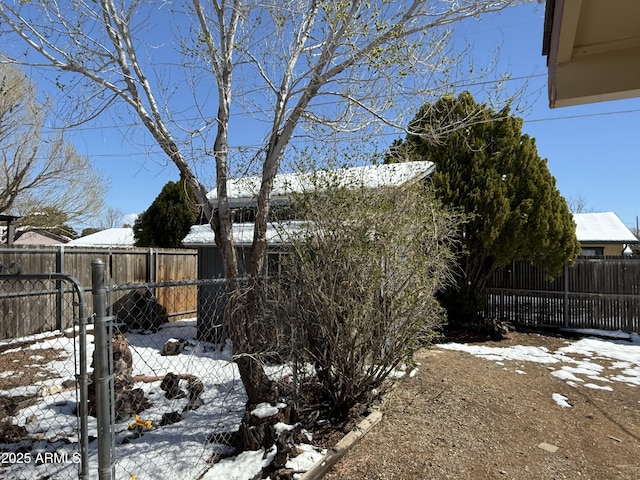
(167, 221)
(491, 172)
(89, 231)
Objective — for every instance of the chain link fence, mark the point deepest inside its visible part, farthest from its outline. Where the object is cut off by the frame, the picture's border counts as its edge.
(160, 373)
(176, 395)
(42, 423)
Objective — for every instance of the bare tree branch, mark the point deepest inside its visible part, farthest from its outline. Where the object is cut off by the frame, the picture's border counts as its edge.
(278, 57)
(38, 171)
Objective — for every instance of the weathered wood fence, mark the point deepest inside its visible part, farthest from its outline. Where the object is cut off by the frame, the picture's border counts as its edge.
(599, 293)
(41, 309)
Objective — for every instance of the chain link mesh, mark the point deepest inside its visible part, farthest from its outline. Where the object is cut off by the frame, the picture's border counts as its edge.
(178, 395)
(39, 423)
(178, 398)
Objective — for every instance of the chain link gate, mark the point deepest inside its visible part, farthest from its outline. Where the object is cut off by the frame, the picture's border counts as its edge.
(43, 376)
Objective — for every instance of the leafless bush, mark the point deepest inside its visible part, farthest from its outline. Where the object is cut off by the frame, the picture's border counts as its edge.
(356, 293)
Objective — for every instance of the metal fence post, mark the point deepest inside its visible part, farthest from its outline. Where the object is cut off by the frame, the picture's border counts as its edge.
(103, 379)
(566, 296)
(83, 387)
(60, 288)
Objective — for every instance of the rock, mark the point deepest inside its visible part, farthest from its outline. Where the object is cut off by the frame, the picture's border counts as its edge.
(195, 387)
(548, 447)
(171, 386)
(47, 390)
(128, 400)
(170, 418)
(173, 347)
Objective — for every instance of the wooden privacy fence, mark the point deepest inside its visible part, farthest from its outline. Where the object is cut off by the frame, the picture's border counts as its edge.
(123, 266)
(600, 293)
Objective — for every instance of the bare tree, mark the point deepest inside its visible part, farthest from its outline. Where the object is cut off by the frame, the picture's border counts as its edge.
(312, 66)
(357, 293)
(111, 218)
(578, 204)
(40, 171)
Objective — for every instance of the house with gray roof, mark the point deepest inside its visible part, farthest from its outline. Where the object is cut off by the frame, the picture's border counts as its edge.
(242, 194)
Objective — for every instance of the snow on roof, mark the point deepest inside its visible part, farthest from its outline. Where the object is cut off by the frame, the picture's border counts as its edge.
(244, 190)
(602, 227)
(243, 233)
(112, 237)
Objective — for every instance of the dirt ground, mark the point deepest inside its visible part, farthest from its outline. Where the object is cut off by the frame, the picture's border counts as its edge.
(463, 417)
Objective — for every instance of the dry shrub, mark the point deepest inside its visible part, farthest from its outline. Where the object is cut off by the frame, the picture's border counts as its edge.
(356, 295)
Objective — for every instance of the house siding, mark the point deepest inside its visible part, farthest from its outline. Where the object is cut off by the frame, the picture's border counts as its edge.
(211, 298)
(609, 249)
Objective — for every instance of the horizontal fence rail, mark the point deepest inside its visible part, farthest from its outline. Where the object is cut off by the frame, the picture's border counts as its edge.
(597, 293)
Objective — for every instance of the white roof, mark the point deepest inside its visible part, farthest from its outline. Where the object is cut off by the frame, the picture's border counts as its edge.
(602, 227)
(243, 191)
(112, 237)
(243, 233)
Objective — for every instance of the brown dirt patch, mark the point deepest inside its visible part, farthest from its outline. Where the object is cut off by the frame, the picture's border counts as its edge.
(27, 366)
(463, 417)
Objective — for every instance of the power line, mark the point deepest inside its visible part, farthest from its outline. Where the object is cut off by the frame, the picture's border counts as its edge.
(582, 115)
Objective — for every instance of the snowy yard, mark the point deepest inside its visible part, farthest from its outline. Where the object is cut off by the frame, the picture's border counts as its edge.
(580, 363)
(166, 450)
(48, 446)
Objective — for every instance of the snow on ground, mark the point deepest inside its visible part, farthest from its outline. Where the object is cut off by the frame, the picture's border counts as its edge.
(574, 363)
(181, 449)
(177, 450)
(561, 400)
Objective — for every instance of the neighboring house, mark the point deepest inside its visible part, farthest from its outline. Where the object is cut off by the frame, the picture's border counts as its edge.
(242, 193)
(111, 237)
(39, 236)
(603, 234)
(592, 49)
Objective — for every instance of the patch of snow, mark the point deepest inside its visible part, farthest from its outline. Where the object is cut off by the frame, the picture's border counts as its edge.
(598, 387)
(111, 237)
(622, 357)
(310, 455)
(619, 334)
(564, 374)
(266, 410)
(245, 466)
(602, 227)
(561, 400)
(518, 352)
(282, 427)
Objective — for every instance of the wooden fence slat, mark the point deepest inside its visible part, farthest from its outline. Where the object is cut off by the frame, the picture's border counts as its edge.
(123, 266)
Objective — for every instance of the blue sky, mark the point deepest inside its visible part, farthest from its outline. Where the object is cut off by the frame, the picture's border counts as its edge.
(591, 150)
